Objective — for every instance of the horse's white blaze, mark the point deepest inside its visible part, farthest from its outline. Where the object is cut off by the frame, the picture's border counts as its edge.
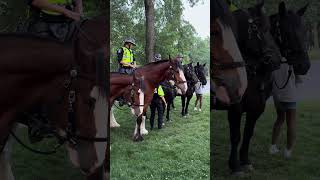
(5, 158)
(113, 122)
(230, 44)
(143, 129)
(100, 116)
(183, 78)
(138, 109)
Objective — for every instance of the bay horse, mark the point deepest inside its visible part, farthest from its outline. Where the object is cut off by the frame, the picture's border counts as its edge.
(262, 57)
(152, 74)
(228, 75)
(70, 78)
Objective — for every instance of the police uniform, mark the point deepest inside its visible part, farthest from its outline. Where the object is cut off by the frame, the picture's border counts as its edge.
(125, 55)
(49, 23)
(157, 104)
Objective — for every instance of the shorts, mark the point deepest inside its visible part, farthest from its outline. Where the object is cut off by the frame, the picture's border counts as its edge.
(284, 106)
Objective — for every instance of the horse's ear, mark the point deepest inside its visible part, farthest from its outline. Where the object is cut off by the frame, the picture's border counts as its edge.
(198, 64)
(169, 57)
(301, 11)
(282, 9)
(204, 64)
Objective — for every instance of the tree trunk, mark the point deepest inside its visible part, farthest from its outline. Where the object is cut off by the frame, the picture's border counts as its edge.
(315, 35)
(150, 31)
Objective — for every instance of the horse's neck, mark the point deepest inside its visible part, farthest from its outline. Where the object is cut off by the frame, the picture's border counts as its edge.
(157, 74)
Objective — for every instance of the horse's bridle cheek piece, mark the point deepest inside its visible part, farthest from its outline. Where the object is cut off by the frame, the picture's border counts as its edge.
(71, 134)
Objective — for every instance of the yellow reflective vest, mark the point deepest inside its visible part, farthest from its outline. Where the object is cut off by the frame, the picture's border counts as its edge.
(159, 91)
(62, 3)
(127, 56)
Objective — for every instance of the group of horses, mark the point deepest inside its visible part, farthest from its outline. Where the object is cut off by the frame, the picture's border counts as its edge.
(138, 89)
(247, 46)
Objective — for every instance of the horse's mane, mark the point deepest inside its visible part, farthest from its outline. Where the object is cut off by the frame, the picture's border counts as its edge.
(179, 65)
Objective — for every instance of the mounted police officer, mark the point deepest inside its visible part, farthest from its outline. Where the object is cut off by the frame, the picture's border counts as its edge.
(158, 102)
(53, 18)
(126, 58)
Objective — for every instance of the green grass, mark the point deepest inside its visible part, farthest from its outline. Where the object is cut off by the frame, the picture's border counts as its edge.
(29, 166)
(304, 163)
(178, 151)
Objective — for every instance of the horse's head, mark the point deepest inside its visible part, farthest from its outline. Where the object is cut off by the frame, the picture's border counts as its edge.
(176, 74)
(257, 45)
(200, 72)
(190, 74)
(86, 131)
(227, 66)
(289, 31)
(135, 95)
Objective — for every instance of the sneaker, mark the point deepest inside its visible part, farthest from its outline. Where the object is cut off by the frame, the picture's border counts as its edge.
(273, 149)
(195, 109)
(287, 153)
(199, 110)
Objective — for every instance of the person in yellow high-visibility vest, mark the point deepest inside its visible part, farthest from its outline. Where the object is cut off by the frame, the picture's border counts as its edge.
(126, 58)
(158, 103)
(53, 18)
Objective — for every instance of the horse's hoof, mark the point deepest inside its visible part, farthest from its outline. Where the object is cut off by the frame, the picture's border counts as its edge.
(137, 138)
(185, 116)
(144, 131)
(247, 167)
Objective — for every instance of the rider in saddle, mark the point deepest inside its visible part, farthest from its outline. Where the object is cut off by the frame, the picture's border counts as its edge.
(127, 62)
(158, 102)
(53, 18)
(126, 58)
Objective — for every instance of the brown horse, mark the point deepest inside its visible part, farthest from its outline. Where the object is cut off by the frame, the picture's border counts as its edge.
(153, 74)
(228, 72)
(68, 78)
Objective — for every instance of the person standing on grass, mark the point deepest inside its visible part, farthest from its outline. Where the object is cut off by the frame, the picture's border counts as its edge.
(158, 101)
(199, 93)
(285, 101)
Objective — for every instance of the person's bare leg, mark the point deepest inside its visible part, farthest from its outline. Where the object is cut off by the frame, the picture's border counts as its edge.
(291, 130)
(277, 126)
(200, 99)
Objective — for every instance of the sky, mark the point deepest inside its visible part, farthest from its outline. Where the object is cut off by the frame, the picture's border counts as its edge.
(198, 16)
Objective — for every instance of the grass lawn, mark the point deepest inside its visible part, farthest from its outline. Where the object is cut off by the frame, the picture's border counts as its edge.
(178, 151)
(304, 163)
(30, 166)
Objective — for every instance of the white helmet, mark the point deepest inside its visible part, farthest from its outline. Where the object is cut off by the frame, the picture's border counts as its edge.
(157, 57)
(130, 40)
